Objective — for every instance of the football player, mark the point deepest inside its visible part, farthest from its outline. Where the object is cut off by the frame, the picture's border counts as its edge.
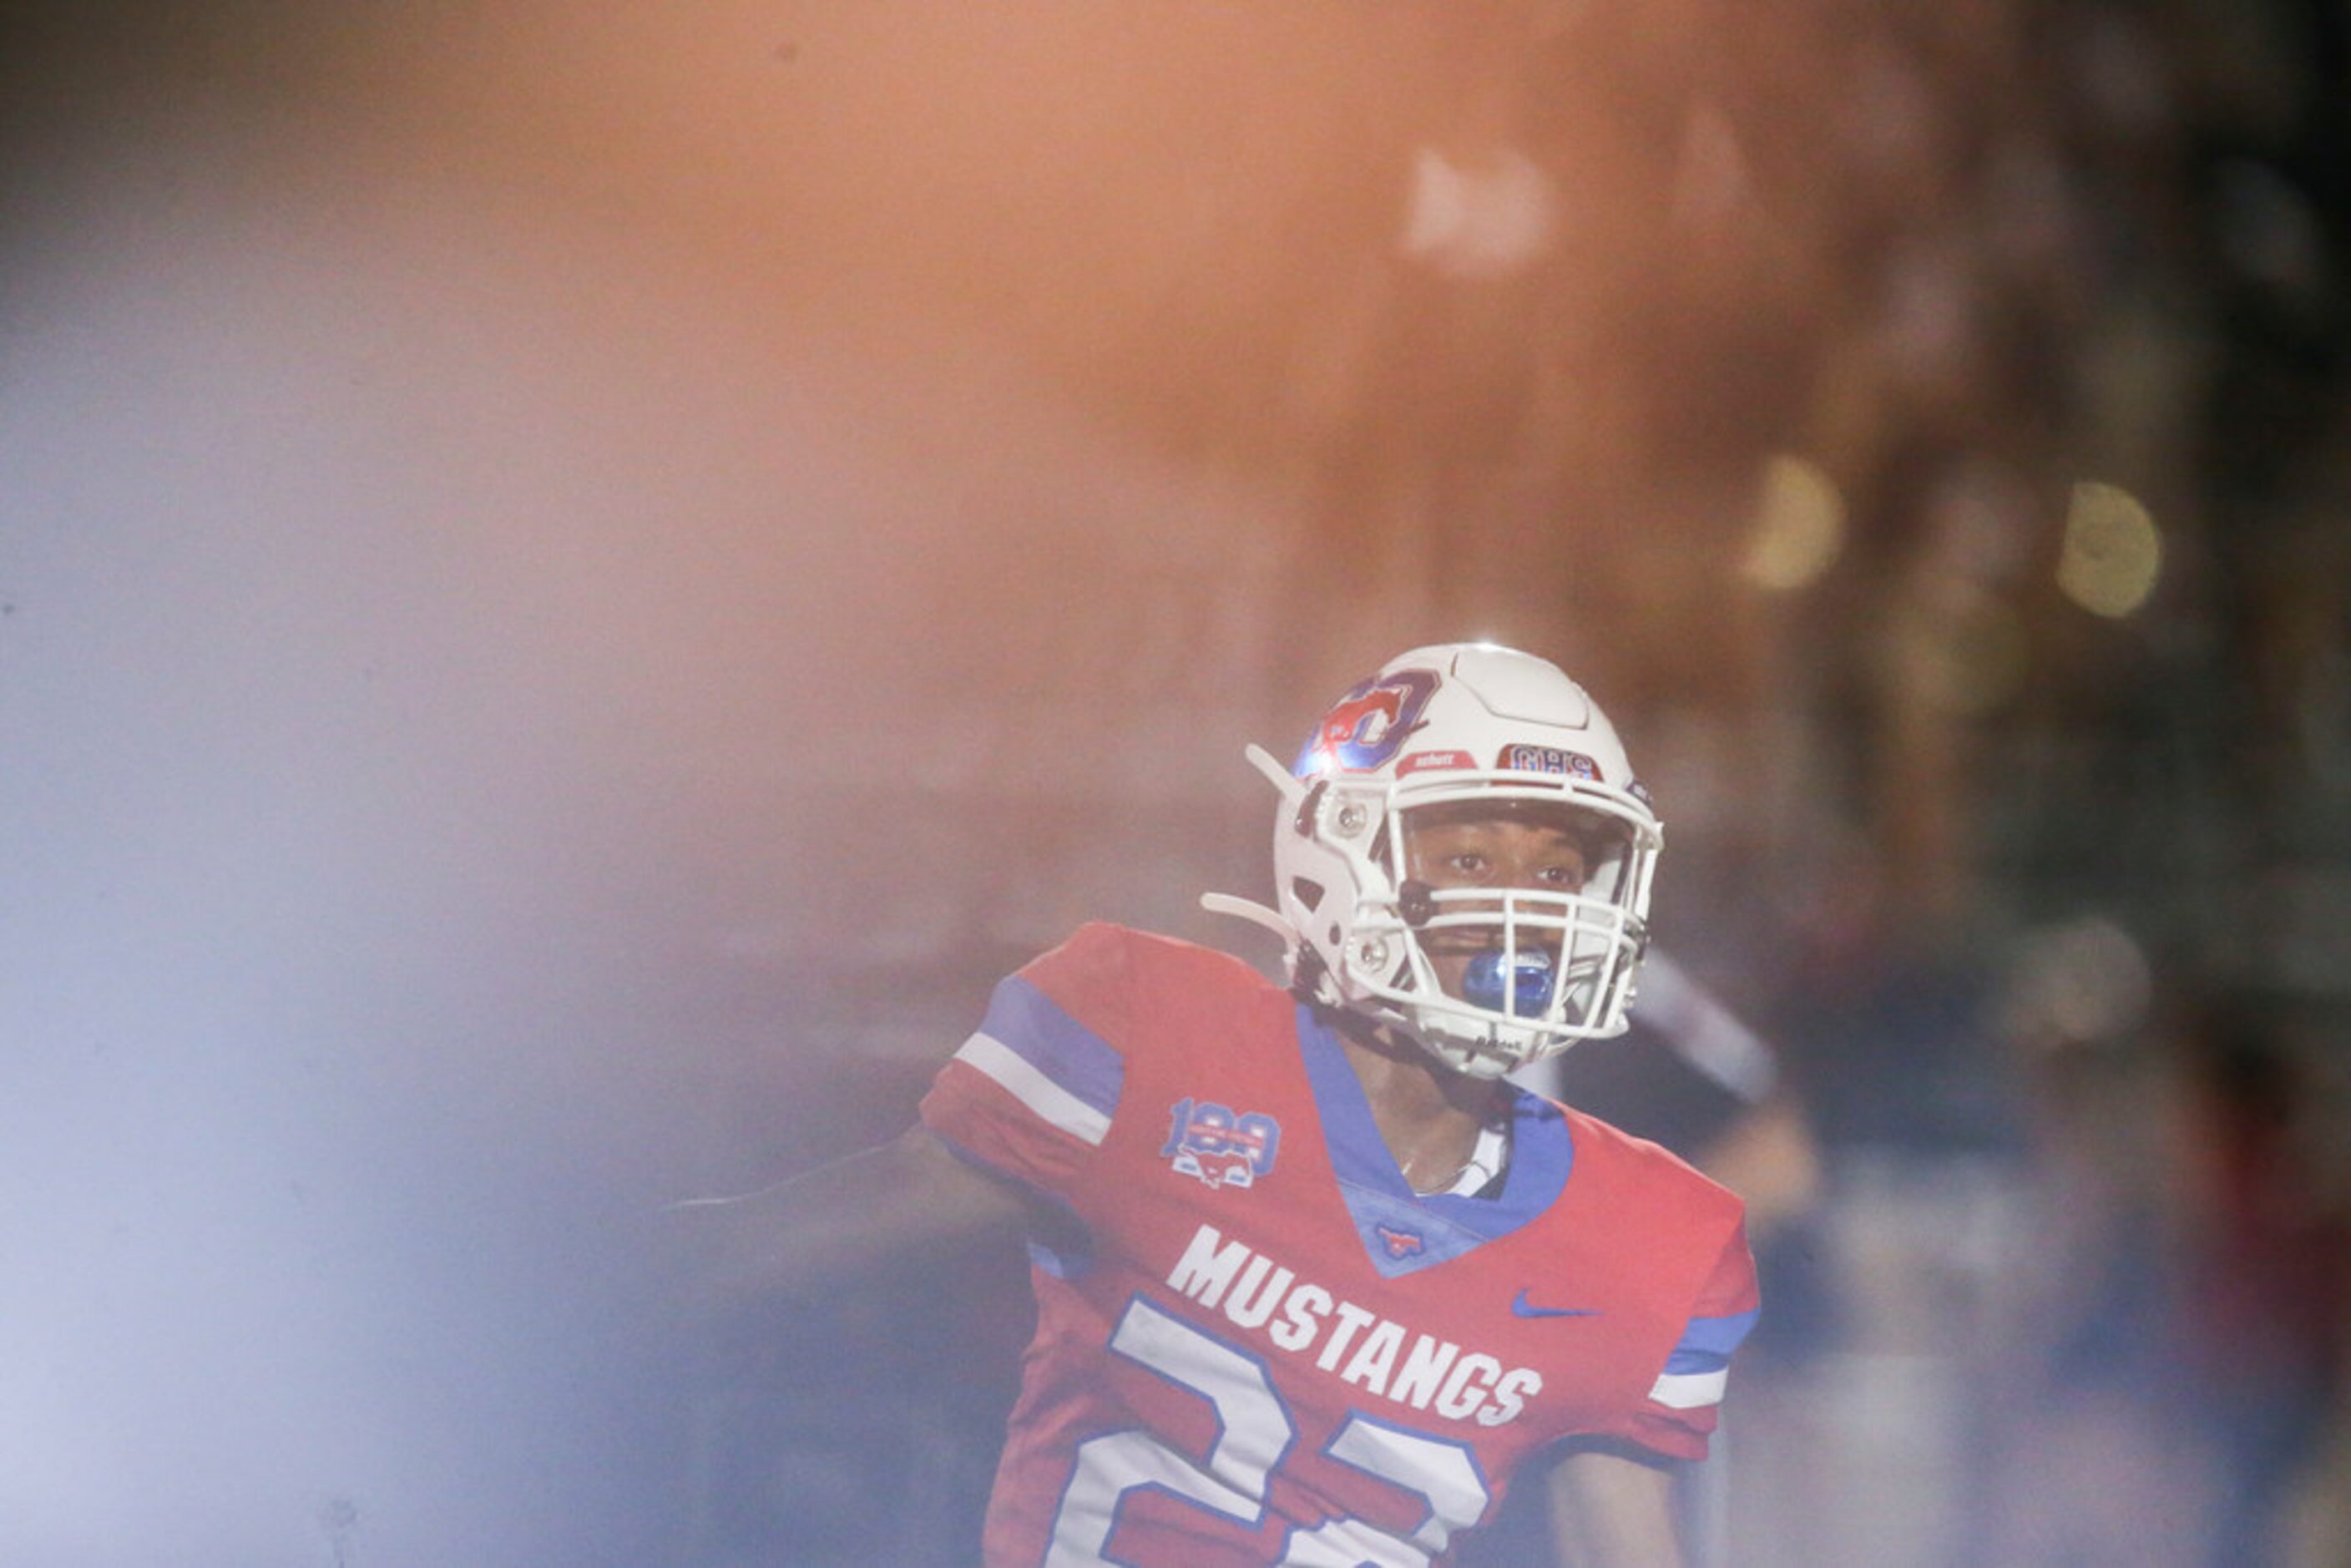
(1313, 1281)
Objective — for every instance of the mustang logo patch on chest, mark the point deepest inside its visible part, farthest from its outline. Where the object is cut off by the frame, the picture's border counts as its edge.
(1210, 1142)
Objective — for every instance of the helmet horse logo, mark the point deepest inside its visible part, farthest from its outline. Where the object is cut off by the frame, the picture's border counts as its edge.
(1370, 725)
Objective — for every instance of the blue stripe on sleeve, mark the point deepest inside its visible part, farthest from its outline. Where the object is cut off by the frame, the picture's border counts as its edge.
(1034, 1028)
(1708, 1342)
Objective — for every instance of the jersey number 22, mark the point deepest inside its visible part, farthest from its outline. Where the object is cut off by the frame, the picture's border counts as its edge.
(1255, 1434)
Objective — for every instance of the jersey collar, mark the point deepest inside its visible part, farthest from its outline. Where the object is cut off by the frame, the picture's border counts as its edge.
(1403, 1230)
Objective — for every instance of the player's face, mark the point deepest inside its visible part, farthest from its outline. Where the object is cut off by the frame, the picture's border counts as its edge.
(1497, 847)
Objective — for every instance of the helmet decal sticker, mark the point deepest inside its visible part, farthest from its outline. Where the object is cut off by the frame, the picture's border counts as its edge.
(1368, 725)
(1421, 761)
(1548, 759)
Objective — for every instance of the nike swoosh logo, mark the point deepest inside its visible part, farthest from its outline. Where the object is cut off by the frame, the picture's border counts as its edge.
(1527, 1309)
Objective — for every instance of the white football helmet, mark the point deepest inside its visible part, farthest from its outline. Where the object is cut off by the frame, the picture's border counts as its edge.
(1437, 734)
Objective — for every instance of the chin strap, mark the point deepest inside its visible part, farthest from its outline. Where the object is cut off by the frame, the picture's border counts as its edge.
(1257, 914)
(1281, 778)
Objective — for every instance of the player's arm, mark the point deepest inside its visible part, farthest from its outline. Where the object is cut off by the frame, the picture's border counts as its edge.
(1611, 1497)
(1609, 1511)
(851, 1220)
(1006, 1141)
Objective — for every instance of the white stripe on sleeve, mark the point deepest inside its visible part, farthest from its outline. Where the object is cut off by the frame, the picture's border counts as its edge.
(1689, 1390)
(1014, 1073)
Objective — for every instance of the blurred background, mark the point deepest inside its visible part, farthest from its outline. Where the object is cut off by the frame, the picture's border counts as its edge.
(576, 582)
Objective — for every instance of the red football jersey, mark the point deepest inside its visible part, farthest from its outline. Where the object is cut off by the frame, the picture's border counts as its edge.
(1269, 1349)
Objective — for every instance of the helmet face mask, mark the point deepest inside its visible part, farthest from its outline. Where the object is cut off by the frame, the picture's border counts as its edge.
(1470, 858)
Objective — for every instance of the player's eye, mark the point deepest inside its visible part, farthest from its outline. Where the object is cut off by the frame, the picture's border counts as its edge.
(1468, 863)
